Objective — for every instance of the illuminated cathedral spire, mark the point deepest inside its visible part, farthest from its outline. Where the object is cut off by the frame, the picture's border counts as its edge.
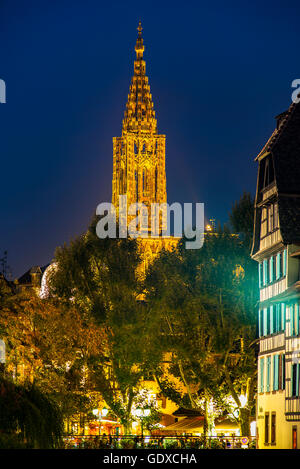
(139, 113)
(139, 154)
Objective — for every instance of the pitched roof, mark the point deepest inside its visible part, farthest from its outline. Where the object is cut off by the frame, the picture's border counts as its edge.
(26, 279)
(284, 148)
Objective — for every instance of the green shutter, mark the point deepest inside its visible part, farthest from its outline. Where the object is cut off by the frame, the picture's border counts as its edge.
(265, 271)
(284, 261)
(278, 273)
(271, 269)
(274, 372)
(260, 274)
(282, 316)
(265, 328)
(283, 371)
(260, 322)
(268, 373)
(296, 313)
(262, 366)
(278, 317)
(292, 319)
(272, 325)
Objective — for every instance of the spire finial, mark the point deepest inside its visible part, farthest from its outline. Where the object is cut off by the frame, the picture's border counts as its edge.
(139, 47)
(140, 29)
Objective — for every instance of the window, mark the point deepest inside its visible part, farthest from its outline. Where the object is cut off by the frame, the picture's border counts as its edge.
(269, 219)
(273, 428)
(276, 218)
(271, 320)
(272, 269)
(267, 424)
(264, 222)
(265, 272)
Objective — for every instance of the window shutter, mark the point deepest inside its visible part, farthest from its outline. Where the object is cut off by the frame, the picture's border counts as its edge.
(292, 319)
(260, 274)
(277, 372)
(274, 373)
(262, 366)
(268, 373)
(271, 269)
(271, 319)
(265, 331)
(280, 384)
(283, 371)
(265, 271)
(260, 322)
(284, 262)
(278, 266)
(282, 316)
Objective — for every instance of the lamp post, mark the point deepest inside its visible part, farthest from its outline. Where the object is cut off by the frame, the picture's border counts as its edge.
(100, 413)
(141, 414)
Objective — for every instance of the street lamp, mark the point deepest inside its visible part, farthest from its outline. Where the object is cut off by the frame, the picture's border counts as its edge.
(141, 414)
(99, 414)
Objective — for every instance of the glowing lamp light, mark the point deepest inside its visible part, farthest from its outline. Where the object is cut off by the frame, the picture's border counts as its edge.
(138, 412)
(243, 400)
(104, 412)
(96, 412)
(147, 412)
(208, 228)
(253, 428)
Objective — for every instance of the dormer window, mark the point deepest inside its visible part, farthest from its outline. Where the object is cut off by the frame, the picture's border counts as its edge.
(269, 219)
(268, 173)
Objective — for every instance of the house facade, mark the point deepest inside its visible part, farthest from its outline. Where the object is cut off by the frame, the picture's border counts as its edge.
(276, 248)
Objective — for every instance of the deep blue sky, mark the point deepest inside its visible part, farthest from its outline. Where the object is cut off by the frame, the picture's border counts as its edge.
(219, 73)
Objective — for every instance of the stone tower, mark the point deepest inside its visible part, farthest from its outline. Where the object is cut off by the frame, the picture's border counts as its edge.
(139, 154)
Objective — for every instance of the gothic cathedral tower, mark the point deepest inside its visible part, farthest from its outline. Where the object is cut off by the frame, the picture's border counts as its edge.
(139, 154)
(139, 157)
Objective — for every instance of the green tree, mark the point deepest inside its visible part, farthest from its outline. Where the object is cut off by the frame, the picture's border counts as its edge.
(205, 302)
(28, 417)
(98, 277)
(241, 218)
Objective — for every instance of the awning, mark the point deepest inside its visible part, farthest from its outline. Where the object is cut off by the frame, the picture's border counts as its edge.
(189, 423)
(195, 424)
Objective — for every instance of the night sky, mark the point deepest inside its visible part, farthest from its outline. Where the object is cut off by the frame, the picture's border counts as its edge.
(219, 72)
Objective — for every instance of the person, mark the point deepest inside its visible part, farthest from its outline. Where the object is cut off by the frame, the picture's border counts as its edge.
(104, 439)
